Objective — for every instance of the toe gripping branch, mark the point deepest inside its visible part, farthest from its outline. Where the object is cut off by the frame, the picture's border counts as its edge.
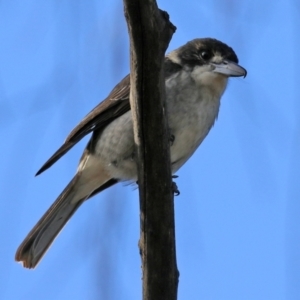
(172, 139)
(175, 187)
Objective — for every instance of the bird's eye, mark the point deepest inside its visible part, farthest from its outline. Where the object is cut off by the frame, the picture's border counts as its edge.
(205, 55)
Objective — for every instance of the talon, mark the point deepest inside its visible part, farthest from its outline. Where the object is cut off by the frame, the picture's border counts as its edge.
(175, 176)
(172, 139)
(175, 189)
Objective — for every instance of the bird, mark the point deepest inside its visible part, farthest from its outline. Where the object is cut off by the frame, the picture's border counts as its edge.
(196, 76)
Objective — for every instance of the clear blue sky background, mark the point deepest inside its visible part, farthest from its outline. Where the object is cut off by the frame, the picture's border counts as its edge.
(238, 215)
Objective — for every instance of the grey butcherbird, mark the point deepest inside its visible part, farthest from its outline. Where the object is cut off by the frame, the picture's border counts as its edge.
(196, 76)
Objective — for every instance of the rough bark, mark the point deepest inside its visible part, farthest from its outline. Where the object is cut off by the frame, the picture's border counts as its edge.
(150, 33)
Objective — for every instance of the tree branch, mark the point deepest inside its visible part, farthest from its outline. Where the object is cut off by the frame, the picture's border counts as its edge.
(150, 33)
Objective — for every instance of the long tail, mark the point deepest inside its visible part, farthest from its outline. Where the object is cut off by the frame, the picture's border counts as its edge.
(45, 231)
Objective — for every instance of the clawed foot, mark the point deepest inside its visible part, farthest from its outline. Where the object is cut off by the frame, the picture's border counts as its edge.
(172, 139)
(174, 186)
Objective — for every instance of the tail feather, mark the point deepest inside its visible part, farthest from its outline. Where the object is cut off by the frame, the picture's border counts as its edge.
(39, 239)
(45, 231)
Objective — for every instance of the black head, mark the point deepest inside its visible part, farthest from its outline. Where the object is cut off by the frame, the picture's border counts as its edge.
(201, 51)
(207, 53)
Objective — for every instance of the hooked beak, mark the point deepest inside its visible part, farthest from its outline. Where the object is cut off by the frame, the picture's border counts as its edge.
(229, 68)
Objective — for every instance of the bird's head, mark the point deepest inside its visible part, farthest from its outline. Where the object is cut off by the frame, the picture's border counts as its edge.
(210, 62)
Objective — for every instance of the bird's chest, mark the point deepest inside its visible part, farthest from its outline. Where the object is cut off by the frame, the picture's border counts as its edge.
(191, 114)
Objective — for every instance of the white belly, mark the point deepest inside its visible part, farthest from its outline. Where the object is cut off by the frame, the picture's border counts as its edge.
(192, 111)
(190, 129)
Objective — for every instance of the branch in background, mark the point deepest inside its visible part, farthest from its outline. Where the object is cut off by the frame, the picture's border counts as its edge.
(150, 33)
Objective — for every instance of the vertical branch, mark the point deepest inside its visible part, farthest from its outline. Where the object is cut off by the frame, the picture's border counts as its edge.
(150, 32)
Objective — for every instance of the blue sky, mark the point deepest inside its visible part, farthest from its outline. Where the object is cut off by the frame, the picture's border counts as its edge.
(237, 217)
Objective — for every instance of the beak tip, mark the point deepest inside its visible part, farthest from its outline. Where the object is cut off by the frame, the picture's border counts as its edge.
(230, 69)
(245, 72)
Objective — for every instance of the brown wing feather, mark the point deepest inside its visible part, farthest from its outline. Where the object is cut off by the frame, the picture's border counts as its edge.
(116, 104)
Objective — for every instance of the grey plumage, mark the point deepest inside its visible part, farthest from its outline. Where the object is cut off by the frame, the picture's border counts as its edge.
(196, 75)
